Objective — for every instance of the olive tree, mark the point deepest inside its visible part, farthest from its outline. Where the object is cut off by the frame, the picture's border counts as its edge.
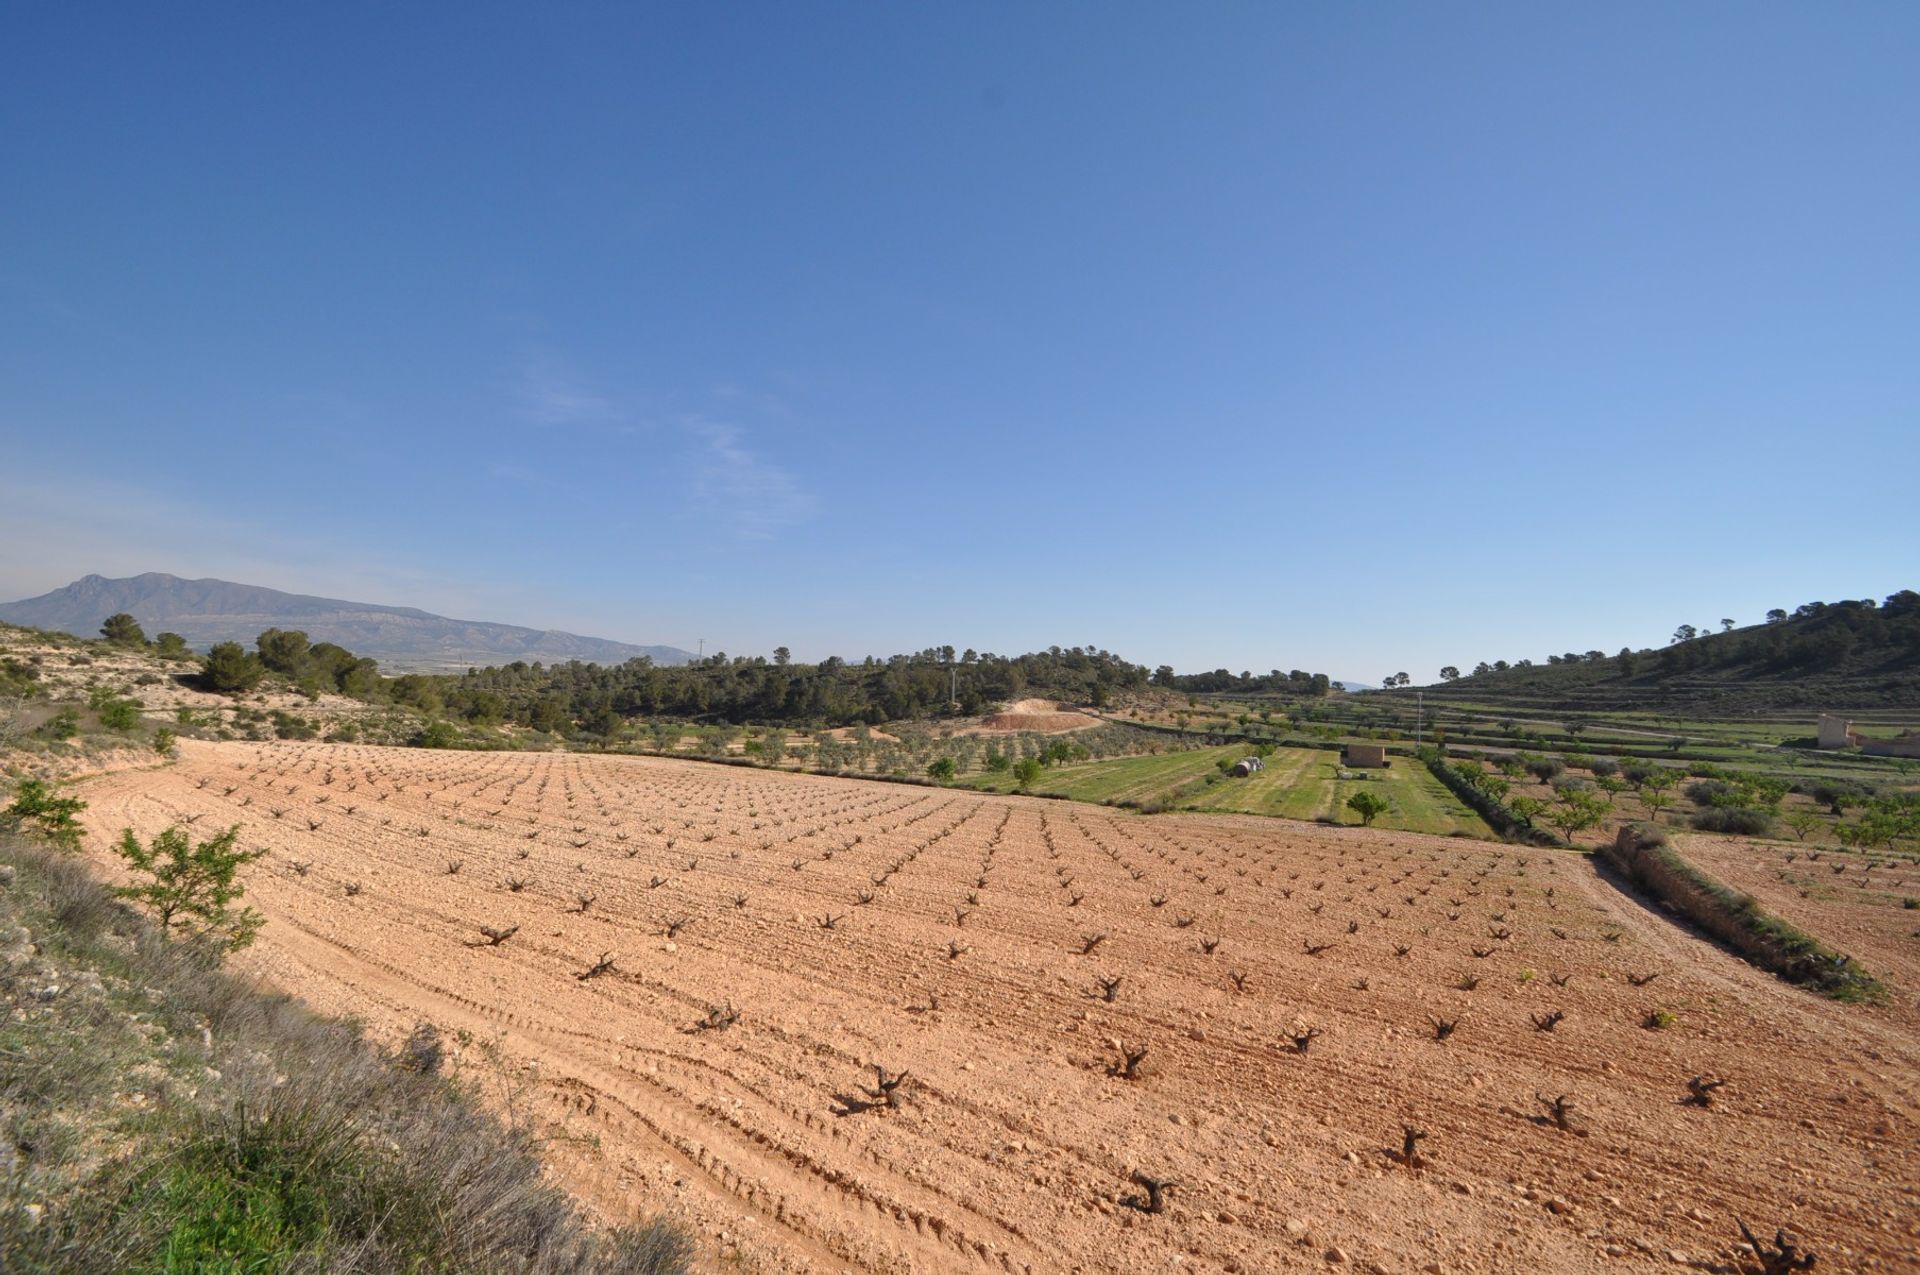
(1368, 805)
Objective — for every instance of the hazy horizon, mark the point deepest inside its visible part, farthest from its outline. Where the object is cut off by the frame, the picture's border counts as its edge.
(1349, 341)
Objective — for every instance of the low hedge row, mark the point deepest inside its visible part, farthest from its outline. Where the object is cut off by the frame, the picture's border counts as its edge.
(1645, 857)
(1498, 817)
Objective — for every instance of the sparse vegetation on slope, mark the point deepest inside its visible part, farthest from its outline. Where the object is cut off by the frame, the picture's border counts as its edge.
(158, 1114)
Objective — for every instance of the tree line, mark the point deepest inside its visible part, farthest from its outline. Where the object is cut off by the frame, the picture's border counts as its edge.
(934, 682)
(1817, 637)
(1220, 681)
(740, 690)
(719, 689)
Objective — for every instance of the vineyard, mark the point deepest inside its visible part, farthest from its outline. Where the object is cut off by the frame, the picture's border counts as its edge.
(842, 1025)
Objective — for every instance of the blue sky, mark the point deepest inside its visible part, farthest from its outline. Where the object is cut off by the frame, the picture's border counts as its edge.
(1347, 338)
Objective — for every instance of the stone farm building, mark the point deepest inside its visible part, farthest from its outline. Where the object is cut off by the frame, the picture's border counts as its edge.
(1365, 755)
(1838, 732)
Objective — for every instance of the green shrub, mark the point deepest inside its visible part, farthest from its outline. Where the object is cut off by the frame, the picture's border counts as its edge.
(17, 676)
(1712, 792)
(292, 726)
(436, 734)
(1741, 821)
(64, 724)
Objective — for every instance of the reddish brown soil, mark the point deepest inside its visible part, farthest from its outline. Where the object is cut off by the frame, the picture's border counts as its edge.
(1015, 1148)
(1854, 900)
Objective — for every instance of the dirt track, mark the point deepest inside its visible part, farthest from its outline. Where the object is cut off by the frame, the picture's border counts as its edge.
(1016, 1147)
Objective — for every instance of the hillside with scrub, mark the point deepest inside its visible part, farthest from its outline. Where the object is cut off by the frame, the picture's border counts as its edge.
(1853, 655)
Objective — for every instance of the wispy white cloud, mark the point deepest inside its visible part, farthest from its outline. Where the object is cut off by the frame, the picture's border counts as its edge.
(507, 472)
(552, 395)
(724, 475)
(752, 495)
(760, 401)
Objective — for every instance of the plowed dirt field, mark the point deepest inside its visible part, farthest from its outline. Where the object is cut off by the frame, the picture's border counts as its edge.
(964, 938)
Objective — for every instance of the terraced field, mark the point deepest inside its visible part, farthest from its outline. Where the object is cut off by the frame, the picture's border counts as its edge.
(1297, 783)
(1280, 984)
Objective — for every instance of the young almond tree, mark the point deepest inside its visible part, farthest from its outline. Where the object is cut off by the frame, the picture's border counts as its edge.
(36, 806)
(1802, 822)
(1527, 809)
(1578, 810)
(192, 888)
(1654, 788)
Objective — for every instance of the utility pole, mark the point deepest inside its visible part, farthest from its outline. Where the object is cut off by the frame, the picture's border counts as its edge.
(1419, 715)
(702, 654)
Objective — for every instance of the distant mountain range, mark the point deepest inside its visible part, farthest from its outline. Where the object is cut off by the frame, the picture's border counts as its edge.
(401, 638)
